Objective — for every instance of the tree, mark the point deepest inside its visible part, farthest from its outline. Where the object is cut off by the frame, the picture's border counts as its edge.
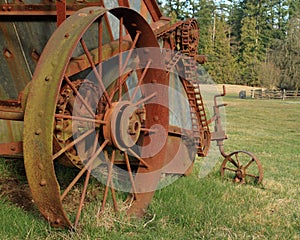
(222, 65)
(268, 75)
(177, 9)
(249, 52)
(205, 18)
(287, 56)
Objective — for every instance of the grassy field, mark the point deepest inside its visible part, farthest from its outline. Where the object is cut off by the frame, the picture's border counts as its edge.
(194, 207)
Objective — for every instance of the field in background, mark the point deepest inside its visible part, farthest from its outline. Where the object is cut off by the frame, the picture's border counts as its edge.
(194, 207)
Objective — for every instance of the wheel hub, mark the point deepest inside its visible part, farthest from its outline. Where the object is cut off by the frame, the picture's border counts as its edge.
(124, 124)
(240, 174)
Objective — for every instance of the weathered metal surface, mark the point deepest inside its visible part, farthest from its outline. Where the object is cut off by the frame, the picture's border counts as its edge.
(39, 122)
(14, 149)
(243, 166)
(23, 41)
(14, 68)
(25, 29)
(42, 9)
(38, 130)
(10, 132)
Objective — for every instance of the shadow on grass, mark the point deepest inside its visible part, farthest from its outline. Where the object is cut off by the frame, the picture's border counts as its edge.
(14, 186)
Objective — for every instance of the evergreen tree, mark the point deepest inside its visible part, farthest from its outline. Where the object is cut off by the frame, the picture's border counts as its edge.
(177, 9)
(293, 8)
(205, 18)
(249, 51)
(287, 56)
(221, 63)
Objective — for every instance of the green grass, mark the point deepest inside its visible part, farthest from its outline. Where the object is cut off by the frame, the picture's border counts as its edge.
(207, 207)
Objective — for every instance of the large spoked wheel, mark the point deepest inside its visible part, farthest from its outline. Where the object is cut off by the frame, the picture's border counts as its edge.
(96, 115)
(242, 167)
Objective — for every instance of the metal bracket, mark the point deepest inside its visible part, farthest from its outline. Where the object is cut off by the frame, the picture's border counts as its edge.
(12, 149)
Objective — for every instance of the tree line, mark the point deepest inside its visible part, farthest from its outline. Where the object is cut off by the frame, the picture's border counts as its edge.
(251, 42)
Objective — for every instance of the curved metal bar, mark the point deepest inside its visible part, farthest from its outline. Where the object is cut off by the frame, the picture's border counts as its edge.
(38, 126)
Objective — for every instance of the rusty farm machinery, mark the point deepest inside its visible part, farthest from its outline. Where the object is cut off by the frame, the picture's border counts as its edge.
(108, 88)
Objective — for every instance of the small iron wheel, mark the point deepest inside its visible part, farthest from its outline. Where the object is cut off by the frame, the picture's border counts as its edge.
(242, 167)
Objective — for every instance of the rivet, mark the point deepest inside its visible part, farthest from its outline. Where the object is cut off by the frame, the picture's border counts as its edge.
(43, 183)
(41, 166)
(7, 53)
(58, 221)
(155, 118)
(38, 131)
(48, 78)
(35, 55)
(67, 35)
(41, 113)
(133, 24)
(13, 148)
(91, 11)
(82, 14)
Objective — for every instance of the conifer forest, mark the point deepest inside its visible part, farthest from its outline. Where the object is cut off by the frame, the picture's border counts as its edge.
(249, 42)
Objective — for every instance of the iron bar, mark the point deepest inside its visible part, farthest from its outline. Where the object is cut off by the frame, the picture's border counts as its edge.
(82, 171)
(90, 59)
(83, 119)
(67, 147)
(43, 10)
(86, 181)
(69, 82)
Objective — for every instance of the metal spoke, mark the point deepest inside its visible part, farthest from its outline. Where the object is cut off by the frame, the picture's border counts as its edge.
(102, 87)
(87, 178)
(67, 147)
(69, 82)
(233, 162)
(120, 57)
(138, 157)
(145, 99)
(249, 163)
(116, 88)
(130, 174)
(83, 119)
(251, 175)
(122, 79)
(113, 194)
(82, 171)
(109, 177)
(230, 169)
(141, 79)
(130, 51)
(148, 130)
(237, 159)
(100, 37)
